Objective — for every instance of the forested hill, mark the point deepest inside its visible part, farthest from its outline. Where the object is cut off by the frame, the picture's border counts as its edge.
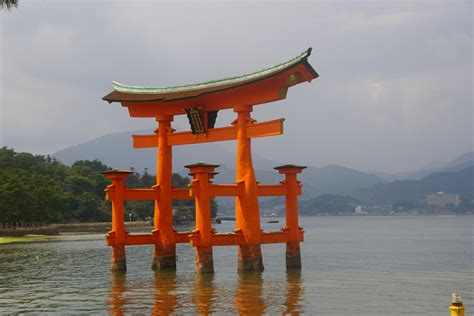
(36, 188)
(329, 204)
(460, 182)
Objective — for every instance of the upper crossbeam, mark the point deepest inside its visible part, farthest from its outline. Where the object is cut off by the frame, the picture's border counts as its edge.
(254, 130)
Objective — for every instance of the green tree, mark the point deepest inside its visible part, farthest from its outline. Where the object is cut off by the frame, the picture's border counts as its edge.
(214, 208)
(36, 188)
(8, 4)
(133, 180)
(89, 206)
(147, 180)
(26, 197)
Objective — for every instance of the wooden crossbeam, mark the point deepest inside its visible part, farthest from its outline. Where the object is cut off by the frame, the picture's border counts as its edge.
(263, 129)
(215, 190)
(234, 239)
(225, 190)
(181, 194)
(150, 194)
(213, 135)
(271, 190)
(141, 194)
(274, 237)
(147, 239)
(145, 141)
(223, 239)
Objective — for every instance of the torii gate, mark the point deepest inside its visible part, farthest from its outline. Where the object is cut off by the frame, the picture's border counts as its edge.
(201, 102)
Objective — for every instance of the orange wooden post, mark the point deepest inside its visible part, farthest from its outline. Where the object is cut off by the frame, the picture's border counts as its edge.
(247, 211)
(202, 173)
(164, 256)
(293, 253)
(117, 234)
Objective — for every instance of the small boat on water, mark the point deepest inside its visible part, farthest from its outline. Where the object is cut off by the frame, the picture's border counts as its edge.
(273, 221)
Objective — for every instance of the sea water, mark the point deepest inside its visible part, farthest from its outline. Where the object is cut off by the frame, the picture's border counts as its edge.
(352, 265)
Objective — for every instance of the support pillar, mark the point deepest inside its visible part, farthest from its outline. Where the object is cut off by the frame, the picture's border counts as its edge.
(202, 173)
(116, 189)
(293, 253)
(247, 211)
(164, 256)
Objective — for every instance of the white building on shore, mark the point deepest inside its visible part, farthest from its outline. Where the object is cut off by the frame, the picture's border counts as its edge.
(442, 199)
(358, 211)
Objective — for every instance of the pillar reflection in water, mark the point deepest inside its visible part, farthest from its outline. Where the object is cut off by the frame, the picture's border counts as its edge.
(116, 300)
(294, 292)
(248, 298)
(204, 293)
(165, 299)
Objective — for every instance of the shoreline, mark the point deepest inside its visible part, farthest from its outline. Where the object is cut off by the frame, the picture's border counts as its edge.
(30, 238)
(58, 231)
(55, 229)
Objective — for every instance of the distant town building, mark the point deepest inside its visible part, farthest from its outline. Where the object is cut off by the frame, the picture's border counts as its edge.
(359, 211)
(442, 199)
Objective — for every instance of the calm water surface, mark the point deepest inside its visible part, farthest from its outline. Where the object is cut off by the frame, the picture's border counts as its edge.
(351, 266)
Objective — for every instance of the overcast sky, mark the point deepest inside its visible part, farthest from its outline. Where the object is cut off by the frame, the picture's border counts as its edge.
(395, 91)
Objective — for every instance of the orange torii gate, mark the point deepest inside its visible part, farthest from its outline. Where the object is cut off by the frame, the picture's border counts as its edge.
(201, 102)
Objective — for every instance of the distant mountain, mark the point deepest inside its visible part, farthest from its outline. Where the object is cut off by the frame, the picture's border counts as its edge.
(458, 182)
(316, 180)
(115, 150)
(338, 179)
(461, 162)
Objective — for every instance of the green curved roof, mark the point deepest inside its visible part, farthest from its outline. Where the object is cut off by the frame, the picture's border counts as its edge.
(119, 87)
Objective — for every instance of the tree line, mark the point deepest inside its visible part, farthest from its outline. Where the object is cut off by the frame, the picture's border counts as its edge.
(39, 189)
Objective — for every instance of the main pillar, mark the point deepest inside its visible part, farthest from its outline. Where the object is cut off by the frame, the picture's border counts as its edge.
(202, 173)
(247, 211)
(164, 256)
(293, 253)
(117, 234)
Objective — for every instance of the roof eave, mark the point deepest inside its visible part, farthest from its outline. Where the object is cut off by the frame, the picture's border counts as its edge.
(133, 96)
(117, 96)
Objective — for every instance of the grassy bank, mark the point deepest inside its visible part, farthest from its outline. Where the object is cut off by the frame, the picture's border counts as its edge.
(98, 225)
(23, 231)
(26, 238)
(56, 229)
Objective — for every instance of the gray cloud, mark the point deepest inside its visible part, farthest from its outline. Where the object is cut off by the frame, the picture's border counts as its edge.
(395, 91)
